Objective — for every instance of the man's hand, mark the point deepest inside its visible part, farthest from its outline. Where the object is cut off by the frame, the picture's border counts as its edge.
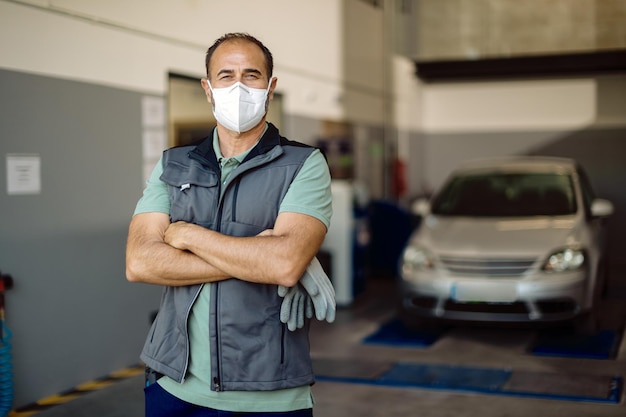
(175, 234)
(313, 288)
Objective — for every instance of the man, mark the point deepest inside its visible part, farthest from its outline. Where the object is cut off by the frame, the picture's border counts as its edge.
(229, 227)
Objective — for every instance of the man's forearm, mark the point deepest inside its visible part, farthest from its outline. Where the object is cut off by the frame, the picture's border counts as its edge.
(151, 260)
(252, 259)
(279, 257)
(162, 264)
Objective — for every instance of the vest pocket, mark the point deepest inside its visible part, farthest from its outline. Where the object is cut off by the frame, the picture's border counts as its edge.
(193, 192)
(184, 176)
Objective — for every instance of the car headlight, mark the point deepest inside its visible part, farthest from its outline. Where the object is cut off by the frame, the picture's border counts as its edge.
(416, 258)
(565, 260)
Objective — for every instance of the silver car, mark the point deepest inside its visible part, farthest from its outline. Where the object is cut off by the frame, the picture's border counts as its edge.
(508, 240)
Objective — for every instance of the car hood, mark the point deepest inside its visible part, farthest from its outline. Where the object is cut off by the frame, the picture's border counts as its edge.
(463, 236)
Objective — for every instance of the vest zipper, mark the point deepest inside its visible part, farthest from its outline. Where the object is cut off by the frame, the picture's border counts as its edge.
(218, 226)
(233, 212)
(217, 378)
(187, 332)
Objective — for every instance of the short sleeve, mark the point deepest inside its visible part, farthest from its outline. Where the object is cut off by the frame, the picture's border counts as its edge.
(310, 193)
(155, 197)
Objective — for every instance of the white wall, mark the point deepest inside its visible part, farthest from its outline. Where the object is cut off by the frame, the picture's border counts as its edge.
(363, 63)
(134, 44)
(407, 92)
(509, 105)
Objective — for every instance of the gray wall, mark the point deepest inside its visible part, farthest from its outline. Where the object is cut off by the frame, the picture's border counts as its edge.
(73, 315)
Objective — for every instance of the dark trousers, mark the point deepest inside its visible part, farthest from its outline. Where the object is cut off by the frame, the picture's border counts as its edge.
(160, 403)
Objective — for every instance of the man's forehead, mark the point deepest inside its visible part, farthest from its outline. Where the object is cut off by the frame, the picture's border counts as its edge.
(227, 54)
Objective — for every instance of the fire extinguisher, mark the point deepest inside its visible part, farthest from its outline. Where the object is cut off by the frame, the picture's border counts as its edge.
(398, 178)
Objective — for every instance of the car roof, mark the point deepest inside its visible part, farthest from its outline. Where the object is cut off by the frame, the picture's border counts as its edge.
(519, 163)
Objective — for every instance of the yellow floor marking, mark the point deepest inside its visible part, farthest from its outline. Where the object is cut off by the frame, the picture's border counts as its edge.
(58, 399)
(82, 389)
(93, 385)
(125, 373)
(22, 413)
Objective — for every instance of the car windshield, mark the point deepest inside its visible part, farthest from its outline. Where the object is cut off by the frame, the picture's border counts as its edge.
(507, 195)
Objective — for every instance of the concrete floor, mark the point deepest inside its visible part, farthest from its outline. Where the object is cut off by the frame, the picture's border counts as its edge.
(461, 345)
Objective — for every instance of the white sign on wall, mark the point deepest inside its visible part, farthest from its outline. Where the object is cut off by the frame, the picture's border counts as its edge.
(154, 139)
(23, 174)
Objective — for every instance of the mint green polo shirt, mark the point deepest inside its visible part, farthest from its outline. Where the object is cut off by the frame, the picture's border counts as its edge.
(308, 194)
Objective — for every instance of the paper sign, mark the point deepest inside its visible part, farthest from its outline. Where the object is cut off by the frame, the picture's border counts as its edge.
(154, 142)
(23, 174)
(153, 111)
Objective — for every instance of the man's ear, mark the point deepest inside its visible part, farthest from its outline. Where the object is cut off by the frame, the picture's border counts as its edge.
(207, 89)
(273, 81)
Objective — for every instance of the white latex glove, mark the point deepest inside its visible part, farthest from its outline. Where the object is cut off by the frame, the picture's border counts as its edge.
(313, 288)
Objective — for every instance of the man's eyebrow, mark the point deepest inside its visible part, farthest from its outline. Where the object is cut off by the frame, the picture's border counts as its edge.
(252, 71)
(245, 71)
(225, 71)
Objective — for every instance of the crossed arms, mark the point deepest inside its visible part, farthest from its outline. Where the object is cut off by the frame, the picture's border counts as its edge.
(175, 254)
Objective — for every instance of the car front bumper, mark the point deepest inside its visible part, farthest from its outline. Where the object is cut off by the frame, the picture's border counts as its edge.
(540, 298)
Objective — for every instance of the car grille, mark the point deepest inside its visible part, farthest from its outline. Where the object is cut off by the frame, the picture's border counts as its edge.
(494, 267)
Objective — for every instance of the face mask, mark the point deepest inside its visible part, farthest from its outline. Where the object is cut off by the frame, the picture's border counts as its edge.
(239, 108)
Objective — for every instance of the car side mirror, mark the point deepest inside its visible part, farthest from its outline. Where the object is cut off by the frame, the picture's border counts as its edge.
(601, 208)
(421, 207)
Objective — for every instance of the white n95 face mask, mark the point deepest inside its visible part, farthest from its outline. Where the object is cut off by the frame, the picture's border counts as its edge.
(238, 107)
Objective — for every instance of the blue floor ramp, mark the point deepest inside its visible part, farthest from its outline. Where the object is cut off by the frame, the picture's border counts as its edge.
(565, 342)
(584, 388)
(447, 377)
(395, 333)
(603, 344)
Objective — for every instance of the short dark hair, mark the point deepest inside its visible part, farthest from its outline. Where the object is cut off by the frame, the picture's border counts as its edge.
(269, 60)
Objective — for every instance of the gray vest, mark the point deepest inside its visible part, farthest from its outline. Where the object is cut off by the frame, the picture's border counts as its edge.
(251, 349)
